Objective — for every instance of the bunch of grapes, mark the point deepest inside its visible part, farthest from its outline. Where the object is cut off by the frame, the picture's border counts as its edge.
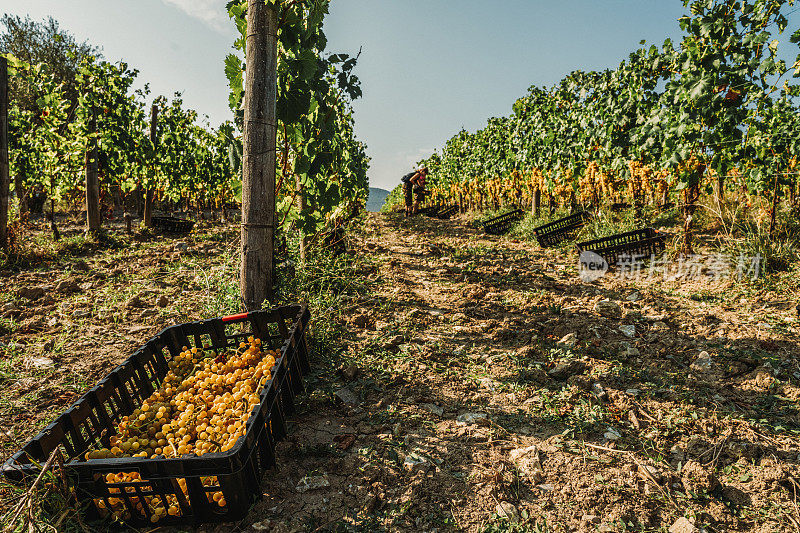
(201, 407)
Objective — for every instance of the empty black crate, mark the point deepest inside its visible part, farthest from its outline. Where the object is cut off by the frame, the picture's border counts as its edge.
(430, 211)
(446, 212)
(503, 223)
(556, 232)
(638, 244)
(237, 473)
(173, 224)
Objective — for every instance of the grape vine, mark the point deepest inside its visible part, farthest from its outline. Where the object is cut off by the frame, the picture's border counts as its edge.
(48, 142)
(714, 111)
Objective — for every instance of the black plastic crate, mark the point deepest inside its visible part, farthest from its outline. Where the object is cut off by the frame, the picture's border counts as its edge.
(501, 224)
(447, 212)
(188, 481)
(639, 244)
(172, 224)
(556, 232)
(430, 211)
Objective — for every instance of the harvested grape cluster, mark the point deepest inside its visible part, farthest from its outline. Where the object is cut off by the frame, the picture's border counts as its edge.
(202, 406)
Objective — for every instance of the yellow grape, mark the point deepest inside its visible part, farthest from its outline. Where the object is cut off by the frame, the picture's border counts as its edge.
(201, 407)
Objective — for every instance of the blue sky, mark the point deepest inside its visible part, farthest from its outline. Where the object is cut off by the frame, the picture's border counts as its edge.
(427, 67)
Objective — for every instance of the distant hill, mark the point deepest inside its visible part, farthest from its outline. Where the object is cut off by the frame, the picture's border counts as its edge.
(377, 197)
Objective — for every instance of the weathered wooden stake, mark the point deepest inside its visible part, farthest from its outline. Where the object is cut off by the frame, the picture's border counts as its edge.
(148, 195)
(4, 174)
(774, 209)
(301, 206)
(719, 193)
(93, 221)
(258, 165)
(19, 188)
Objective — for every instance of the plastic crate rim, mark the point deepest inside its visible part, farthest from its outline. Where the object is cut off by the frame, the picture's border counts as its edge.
(618, 235)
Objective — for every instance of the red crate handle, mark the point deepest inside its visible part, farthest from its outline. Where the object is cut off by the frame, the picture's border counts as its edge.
(235, 317)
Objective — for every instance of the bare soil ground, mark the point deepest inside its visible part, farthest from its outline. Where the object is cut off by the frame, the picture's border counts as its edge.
(480, 386)
(74, 310)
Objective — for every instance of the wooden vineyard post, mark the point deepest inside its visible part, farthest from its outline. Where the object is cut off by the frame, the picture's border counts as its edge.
(690, 197)
(301, 206)
(719, 193)
(537, 201)
(92, 182)
(19, 188)
(147, 216)
(774, 209)
(258, 165)
(4, 172)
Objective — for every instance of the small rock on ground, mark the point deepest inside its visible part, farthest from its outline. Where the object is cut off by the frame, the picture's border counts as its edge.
(682, 525)
(41, 362)
(568, 341)
(347, 396)
(564, 370)
(479, 419)
(349, 372)
(67, 286)
(415, 462)
(528, 463)
(312, 483)
(703, 363)
(508, 511)
(608, 309)
(433, 409)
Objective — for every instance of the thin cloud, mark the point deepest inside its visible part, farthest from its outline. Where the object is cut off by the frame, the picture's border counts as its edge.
(212, 12)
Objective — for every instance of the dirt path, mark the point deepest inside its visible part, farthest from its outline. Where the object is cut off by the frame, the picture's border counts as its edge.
(481, 380)
(474, 383)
